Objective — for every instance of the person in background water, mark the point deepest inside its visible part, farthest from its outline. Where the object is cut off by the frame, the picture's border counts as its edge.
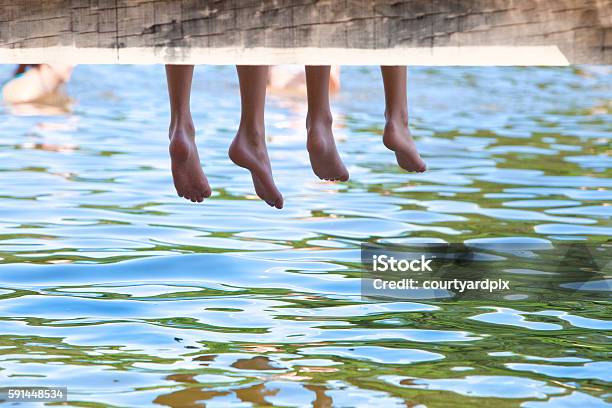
(35, 83)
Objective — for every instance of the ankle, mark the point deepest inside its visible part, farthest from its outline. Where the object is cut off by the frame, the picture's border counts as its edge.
(254, 134)
(397, 118)
(184, 124)
(319, 119)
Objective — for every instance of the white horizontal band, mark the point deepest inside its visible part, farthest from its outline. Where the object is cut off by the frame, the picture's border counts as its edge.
(436, 56)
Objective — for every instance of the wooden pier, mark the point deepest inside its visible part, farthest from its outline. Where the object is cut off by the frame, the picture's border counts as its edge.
(363, 32)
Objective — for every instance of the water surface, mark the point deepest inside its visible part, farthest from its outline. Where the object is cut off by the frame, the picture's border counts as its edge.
(112, 285)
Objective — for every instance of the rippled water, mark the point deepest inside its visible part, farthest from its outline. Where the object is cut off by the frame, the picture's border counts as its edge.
(113, 286)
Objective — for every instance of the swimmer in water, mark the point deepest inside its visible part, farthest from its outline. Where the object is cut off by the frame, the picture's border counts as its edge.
(35, 82)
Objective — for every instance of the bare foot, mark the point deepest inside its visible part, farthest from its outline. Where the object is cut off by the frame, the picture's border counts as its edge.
(253, 156)
(189, 179)
(324, 158)
(397, 138)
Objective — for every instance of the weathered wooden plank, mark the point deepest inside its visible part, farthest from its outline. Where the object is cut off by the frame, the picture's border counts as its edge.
(413, 32)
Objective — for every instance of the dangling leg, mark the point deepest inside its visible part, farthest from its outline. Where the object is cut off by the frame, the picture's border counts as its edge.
(248, 149)
(397, 135)
(324, 158)
(189, 179)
